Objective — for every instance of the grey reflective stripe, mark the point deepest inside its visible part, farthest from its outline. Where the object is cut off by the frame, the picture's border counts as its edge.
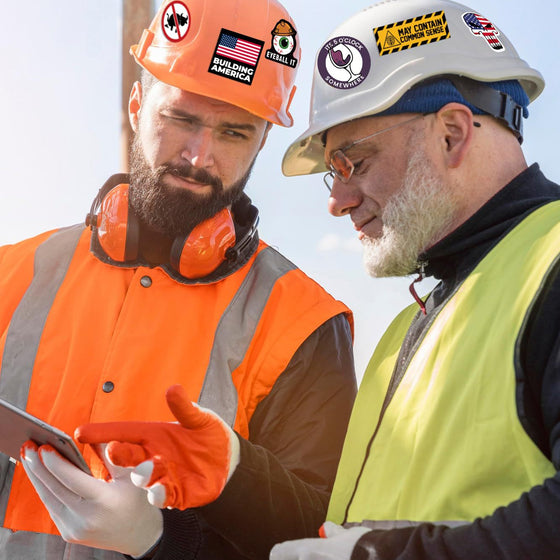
(400, 524)
(52, 259)
(6, 475)
(235, 332)
(15, 545)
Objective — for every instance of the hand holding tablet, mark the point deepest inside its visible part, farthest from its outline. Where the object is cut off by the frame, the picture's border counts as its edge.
(18, 426)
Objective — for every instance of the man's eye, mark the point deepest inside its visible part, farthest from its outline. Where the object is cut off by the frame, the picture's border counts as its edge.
(358, 165)
(234, 134)
(178, 118)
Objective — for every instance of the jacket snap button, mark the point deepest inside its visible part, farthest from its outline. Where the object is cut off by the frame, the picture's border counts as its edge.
(108, 386)
(146, 281)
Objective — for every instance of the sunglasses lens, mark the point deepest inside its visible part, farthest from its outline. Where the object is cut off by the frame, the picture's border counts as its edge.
(342, 166)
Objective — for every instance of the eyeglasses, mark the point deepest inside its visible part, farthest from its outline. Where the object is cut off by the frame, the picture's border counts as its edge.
(341, 166)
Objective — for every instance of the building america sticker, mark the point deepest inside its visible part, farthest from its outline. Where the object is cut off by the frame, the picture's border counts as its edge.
(344, 62)
(236, 57)
(411, 33)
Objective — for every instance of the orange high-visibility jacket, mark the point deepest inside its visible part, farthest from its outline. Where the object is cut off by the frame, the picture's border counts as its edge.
(100, 342)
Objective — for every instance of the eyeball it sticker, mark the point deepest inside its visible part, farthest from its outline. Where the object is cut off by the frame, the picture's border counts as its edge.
(283, 44)
(175, 21)
(480, 26)
(344, 62)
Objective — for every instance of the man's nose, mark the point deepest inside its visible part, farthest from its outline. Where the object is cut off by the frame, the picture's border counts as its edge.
(344, 197)
(199, 148)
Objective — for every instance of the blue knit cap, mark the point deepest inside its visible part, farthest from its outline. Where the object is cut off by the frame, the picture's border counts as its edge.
(432, 95)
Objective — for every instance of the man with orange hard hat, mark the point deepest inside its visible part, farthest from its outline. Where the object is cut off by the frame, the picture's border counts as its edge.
(168, 296)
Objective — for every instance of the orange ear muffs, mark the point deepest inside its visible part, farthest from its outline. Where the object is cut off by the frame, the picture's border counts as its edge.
(118, 229)
(193, 256)
(204, 249)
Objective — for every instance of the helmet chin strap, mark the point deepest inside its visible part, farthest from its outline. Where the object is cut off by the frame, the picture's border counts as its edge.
(496, 103)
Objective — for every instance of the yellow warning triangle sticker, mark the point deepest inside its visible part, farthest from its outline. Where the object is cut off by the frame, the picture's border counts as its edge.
(390, 41)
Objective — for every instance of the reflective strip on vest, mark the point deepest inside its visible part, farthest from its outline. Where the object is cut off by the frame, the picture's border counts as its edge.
(24, 333)
(233, 337)
(52, 260)
(22, 545)
(401, 524)
(235, 332)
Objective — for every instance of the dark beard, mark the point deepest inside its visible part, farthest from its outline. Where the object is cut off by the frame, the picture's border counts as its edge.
(171, 211)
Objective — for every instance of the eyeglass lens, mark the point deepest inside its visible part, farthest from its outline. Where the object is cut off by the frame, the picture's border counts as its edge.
(341, 165)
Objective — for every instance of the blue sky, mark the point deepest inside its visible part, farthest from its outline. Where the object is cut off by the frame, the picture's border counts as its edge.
(60, 135)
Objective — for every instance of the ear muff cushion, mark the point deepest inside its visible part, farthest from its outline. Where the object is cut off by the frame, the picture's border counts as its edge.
(117, 226)
(205, 247)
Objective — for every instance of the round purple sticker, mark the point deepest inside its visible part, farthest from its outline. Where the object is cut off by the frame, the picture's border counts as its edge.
(344, 62)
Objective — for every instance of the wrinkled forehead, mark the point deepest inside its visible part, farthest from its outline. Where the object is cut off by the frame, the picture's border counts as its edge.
(162, 95)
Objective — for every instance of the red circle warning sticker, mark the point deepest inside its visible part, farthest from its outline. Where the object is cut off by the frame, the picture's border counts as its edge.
(175, 21)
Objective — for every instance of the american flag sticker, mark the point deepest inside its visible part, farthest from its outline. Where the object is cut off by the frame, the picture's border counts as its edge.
(480, 26)
(236, 57)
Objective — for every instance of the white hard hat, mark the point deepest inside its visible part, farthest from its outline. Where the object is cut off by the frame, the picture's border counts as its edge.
(376, 56)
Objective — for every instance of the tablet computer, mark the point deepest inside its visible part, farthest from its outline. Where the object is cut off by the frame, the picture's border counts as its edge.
(18, 426)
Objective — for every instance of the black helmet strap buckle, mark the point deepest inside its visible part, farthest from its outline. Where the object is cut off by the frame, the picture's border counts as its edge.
(496, 103)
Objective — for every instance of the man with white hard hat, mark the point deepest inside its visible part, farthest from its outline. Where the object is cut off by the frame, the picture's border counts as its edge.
(453, 446)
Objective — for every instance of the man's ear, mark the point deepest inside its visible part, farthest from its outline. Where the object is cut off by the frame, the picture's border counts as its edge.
(134, 104)
(456, 125)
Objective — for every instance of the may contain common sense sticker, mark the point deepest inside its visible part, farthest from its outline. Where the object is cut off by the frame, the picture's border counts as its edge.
(236, 57)
(411, 33)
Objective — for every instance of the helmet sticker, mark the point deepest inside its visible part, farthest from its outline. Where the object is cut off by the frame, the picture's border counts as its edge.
(283, 44)
(175, 21)
(236, 57)
(479, 25)
(410, 33)
(344, 62)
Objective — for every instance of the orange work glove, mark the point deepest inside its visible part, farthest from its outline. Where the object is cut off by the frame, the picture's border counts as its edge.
(181, 465)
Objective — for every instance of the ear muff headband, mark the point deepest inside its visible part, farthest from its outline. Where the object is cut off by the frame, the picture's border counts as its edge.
(194, 256)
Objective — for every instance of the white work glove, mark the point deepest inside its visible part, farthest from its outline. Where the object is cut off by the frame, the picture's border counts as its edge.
(337, 544)
(114, 515)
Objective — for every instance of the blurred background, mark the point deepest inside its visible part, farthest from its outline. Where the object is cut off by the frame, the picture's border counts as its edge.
(60, 135)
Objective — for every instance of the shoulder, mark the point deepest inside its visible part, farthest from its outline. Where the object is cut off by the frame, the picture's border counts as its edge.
(290, 286)
(15, 252)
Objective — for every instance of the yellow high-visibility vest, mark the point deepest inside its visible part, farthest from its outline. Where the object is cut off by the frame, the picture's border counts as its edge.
(450, 445)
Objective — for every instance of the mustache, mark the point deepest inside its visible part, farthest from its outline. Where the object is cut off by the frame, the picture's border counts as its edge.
(187, 171)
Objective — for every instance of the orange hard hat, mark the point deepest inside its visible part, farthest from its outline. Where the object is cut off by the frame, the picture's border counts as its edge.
(236, 51)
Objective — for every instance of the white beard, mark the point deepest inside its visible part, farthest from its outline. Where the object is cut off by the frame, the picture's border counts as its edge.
(413, 220)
